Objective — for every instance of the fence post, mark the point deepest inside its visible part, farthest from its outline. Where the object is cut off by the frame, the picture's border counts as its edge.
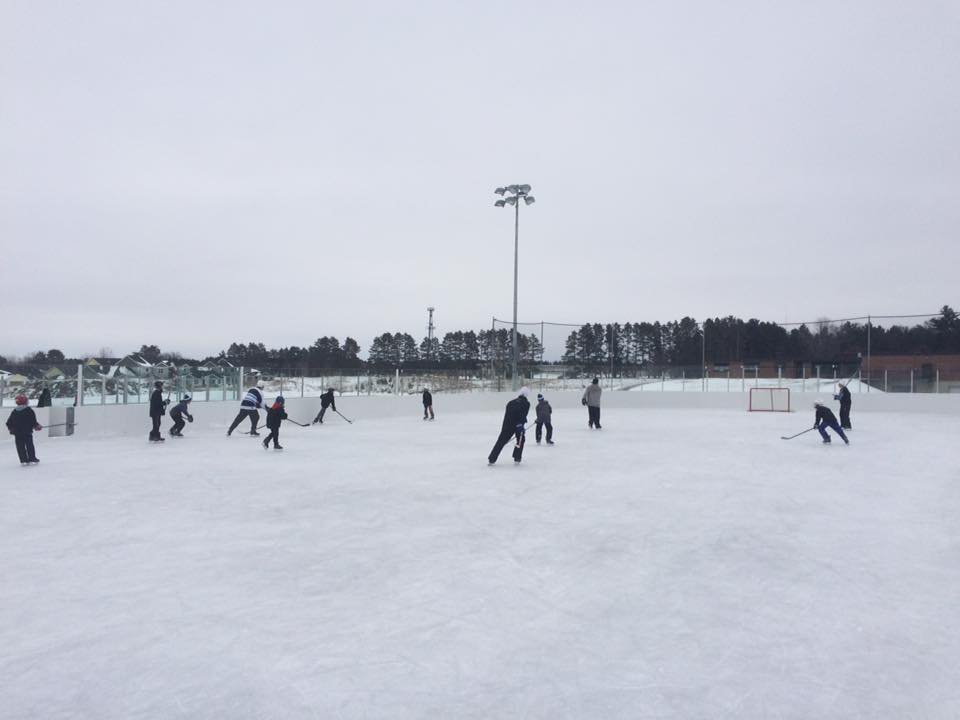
(396, 384)
(803, 378)
(683, 381)
(743, 378)
(779, 374)
(3, 390)
(79, 384)
(103, 391)
(911, 380)
(885, 380)
(818, 378)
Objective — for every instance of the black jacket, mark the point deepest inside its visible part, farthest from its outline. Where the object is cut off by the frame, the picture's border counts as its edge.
(44, 399)
(825, 414)
(275, 415)
(516, 413)
(544, 411)
(844, 397)
(158, 406)
(22, 422)
(326, 400)
(427, 398)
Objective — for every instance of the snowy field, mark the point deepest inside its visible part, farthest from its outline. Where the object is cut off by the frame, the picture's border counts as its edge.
(676, 564)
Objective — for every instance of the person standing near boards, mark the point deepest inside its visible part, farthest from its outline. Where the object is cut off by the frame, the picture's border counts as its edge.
(427, 404)
(591, 398)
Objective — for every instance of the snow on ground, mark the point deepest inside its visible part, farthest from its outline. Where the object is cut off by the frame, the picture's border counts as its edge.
(676, 564)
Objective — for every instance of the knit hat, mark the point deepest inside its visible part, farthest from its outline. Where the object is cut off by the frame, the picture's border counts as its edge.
(596, 380)
(187, 398)
(539, 396)
(21, 399)
(280, 399)
(158, 384)
(524, 391)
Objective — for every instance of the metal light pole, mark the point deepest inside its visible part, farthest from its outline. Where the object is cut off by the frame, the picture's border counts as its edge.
(511, 195)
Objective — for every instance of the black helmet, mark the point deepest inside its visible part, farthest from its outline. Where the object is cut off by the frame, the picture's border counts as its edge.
(158, 384)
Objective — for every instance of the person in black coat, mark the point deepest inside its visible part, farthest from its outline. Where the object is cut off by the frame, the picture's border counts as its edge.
(44, 399)
(843, 395)
(544, 413)
(21, 424)
(177, 413)
(514, 420)
(275, 416)
(158, 408)
(826, 419)
(326, 400)
(427, 404)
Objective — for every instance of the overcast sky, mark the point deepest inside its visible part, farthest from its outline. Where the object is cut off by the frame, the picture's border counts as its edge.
(195, 173)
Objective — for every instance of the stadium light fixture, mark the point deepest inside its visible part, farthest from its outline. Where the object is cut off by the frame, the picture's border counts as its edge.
(511, 195)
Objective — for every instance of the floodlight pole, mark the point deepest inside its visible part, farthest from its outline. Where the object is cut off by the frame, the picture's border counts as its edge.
(516, 261)
(515, 194)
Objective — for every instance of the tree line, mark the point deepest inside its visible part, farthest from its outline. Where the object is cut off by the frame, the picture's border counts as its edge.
(641, 344)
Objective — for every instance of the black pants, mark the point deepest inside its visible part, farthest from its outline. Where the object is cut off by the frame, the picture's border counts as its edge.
(155, 432)
(505, 437)
(845, 417)
(319, 417)
(25, 450)
(254, 419)
(275, 436)
(426, 409)
(547, 424)
(178, 425)
(594, 413)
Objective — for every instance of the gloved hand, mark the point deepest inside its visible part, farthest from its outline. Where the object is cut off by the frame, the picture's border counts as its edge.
(190, 418)
(38, 427)
(836, 397)
(583, 401)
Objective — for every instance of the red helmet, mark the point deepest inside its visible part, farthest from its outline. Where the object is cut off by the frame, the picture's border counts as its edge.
(21, 399)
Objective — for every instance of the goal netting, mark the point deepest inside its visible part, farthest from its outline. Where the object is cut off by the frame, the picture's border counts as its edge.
(769, 399)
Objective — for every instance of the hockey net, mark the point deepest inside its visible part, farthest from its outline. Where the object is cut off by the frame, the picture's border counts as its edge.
(769, 399)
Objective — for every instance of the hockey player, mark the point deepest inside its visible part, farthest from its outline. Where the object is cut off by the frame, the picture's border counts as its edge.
(158, 408)
(326, 400)
(514, 422)
(591, 398)
(427, 404)
(843, 395)
(249, 406)
(826, 419)
(21, 424)
(544, 411)
(177, 414)
(275, 415)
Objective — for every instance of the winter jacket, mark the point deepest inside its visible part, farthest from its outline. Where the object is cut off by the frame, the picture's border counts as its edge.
(44, 399)
(592, 394)
(326, 400)
(516, 413)
(844, 397)
(22, 421)
(158, 406)
(427, 398)
(544, 411)
(275, 415)
(180, 409)
(252, 400)
(825, 414)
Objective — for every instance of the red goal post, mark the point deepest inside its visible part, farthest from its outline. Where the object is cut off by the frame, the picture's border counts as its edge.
(770, 399)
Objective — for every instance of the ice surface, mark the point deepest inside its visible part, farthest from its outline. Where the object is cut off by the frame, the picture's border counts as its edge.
(676, 564)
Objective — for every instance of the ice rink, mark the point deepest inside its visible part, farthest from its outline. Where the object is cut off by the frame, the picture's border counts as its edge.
(676, 564)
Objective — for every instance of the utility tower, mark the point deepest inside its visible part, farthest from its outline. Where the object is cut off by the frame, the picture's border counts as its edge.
(430, 334)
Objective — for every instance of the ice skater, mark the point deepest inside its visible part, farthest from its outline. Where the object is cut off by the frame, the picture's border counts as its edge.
(591, 398)
(514, 422)
(21, 424)
(427, 404)
(177, 414)
(275, 416)
(326, 400)
(158, 408)
(249, 407)
(544, 411)
(843, 395)
(826, 419)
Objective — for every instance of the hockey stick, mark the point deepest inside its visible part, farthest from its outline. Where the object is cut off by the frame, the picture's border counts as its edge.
(295, 422)
(59, 425)
(798, 434)
(344, 417)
